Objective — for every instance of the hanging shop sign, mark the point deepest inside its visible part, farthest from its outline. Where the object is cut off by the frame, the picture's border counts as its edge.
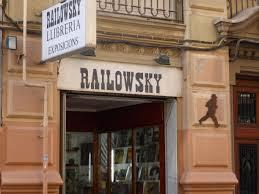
(68, 28)
(122, 78)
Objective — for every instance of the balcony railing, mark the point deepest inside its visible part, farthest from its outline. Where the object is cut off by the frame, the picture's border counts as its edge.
(158, 9)
(235, 6)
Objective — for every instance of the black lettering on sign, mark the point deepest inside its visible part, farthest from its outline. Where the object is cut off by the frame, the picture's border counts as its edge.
(118, 81)
(128, 78)
(70, 10)
(48, 20)
(102, 84)
(95, 83)
(110, 84)
(74, 8)
(55, 12)
(148, 86)
(102, 79)
(52, 19)
(65, 11)
(139, 85)
(78, 10)
(157, 77)
(84, 78)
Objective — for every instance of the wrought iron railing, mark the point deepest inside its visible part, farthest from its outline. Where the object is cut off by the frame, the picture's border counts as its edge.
(235, 6)
(159, 9)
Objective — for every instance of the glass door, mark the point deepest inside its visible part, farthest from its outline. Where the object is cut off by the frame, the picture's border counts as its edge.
(115, 162)
(121, 162)
(147, 161)
(129, 161)
(79, 163)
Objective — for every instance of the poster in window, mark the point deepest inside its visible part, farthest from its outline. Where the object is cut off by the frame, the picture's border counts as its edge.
(149, 136)
(151, 187)
(154, 172)
(119, 156)
(128, 174)
(120, 174)
(143, 173)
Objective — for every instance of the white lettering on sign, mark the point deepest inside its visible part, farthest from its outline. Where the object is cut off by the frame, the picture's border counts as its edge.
(67, 28)
(110, 77)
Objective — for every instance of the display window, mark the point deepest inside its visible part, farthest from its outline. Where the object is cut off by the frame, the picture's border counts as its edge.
(115, 151)
(79, 162)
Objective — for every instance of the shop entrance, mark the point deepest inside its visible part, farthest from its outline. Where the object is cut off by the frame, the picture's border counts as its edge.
(113, 145)
(246, 124)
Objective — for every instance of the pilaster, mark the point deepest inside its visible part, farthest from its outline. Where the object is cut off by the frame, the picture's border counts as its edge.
(200, 15)
(21, 142)
(207, 148)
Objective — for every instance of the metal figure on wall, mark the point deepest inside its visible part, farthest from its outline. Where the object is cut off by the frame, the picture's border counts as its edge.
(212, 107)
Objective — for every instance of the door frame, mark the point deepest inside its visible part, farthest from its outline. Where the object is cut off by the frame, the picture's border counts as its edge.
(167, 117)
(245, 133)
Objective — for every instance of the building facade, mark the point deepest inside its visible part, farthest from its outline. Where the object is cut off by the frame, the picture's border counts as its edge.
(166, 105)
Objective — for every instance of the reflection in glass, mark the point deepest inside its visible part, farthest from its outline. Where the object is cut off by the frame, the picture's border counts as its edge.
(247, 108)
(103, 164)
(147, 161)
(248, 168)
(121, 162)
(79, 162)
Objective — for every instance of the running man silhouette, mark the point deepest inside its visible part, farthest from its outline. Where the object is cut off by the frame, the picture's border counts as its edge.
(212, 106)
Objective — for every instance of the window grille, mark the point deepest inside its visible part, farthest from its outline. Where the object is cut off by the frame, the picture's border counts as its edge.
(159, 9)
(247, 108)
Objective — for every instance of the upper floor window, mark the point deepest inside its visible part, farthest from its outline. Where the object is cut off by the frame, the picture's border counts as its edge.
(159, 9)
(246, 107)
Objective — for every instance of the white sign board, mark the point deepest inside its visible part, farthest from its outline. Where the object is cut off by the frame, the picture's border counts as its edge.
(67, 28)
(122, 78)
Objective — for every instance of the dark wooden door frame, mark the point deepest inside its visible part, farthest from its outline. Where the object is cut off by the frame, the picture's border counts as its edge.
(245, 133)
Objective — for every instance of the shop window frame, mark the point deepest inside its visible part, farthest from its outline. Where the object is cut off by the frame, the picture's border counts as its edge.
(134, 178)
(156, 119)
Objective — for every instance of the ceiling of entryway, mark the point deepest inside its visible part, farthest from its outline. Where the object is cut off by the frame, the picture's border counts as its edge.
(78, 102)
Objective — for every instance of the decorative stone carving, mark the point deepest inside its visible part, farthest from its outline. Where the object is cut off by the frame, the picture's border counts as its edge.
(138, 50)
(141, 50)
(245, 53)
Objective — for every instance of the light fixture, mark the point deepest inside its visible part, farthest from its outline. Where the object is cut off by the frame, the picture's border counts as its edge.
(11, 42)
(163, 60)
(88, 52)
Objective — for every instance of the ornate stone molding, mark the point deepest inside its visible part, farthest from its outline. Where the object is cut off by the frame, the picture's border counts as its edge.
(29, 181)
(137, 50)
(146, 55)
(208, 181)
(139, 29)
(245, 53)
